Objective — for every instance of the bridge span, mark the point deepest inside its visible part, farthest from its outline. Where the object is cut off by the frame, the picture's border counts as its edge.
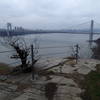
(20, 31)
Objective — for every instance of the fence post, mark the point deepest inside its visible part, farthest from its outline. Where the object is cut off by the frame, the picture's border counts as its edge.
(77, 52)
(32, 57)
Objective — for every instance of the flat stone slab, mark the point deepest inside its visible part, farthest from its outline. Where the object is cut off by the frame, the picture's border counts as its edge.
(67, 88)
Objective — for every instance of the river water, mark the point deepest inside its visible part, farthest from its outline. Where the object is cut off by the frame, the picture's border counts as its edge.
(53, 45)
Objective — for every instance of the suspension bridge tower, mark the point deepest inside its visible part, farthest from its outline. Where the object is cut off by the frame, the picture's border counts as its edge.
(91, 31)
(9, 28)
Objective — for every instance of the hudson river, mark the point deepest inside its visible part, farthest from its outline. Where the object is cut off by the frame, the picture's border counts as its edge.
(53, 45)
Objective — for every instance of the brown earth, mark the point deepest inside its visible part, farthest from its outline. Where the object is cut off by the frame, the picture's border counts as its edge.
(4, 69)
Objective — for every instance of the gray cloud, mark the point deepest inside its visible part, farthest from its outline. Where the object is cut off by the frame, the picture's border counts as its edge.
(48, 14)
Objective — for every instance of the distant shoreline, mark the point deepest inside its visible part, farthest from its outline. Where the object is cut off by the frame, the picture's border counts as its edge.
(18, 33)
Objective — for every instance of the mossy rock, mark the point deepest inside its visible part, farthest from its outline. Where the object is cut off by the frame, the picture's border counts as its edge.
(98, 67)
(92, 86)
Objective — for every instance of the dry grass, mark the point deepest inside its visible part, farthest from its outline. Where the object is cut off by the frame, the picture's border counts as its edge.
(71, 62)
(4, 68)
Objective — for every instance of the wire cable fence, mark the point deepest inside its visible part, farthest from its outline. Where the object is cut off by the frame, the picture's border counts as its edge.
(56, 51)
(39, 48)
(6, 51)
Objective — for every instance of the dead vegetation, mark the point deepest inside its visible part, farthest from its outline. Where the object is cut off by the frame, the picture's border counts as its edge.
(4, 69)
(21, 87)
(50, 90)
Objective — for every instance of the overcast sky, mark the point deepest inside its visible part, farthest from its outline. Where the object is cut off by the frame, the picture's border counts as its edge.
(48, 14)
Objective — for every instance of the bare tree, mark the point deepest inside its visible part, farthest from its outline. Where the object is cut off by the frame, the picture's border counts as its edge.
(22, 50)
